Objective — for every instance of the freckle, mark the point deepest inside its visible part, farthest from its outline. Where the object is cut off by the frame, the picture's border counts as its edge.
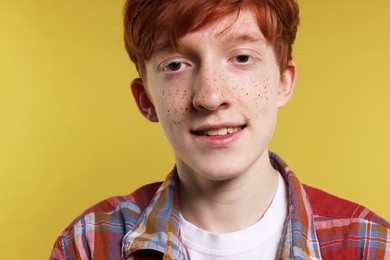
(246, 94)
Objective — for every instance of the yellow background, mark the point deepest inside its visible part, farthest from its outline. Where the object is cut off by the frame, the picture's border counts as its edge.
(71, 136)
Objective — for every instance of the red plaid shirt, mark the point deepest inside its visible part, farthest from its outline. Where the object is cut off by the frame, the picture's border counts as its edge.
(145, 225)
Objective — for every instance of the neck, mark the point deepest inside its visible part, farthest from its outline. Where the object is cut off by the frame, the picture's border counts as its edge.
(223, 206)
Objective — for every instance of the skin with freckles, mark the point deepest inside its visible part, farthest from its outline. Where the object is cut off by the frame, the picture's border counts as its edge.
(216, 99)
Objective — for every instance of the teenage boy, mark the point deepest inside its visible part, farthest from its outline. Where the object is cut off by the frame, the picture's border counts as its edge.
(213, 73)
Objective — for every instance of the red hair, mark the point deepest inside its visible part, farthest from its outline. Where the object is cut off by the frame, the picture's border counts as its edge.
(149, 22)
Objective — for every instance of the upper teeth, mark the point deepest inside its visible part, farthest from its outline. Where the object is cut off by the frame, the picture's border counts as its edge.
(221, 131)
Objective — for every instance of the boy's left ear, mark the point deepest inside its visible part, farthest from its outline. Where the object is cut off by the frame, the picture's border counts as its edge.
(141, 98)
(287, 83)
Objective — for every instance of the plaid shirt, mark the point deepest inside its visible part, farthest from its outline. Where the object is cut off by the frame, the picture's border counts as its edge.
(145, 225)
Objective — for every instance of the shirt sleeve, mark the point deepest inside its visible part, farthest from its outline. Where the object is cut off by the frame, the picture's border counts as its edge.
(57, 253)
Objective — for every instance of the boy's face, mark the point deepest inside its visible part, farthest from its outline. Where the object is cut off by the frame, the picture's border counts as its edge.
(217, 97)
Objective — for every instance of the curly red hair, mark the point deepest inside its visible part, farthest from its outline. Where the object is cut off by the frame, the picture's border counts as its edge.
(148, 22)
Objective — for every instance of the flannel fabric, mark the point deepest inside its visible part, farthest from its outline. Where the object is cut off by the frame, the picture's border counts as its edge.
(145, 225)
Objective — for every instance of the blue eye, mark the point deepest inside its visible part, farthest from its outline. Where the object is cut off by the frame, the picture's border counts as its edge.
(242, 58)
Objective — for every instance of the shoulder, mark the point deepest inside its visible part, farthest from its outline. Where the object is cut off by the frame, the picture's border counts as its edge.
(347, 229)
(327, 205)
(134, 202)
(103, 224)
(140, 198)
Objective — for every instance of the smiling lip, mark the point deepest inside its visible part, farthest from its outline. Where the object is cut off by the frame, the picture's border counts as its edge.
(222, 131)
(219, 136)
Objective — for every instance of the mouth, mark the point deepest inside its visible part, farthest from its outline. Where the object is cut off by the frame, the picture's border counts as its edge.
(219, 132)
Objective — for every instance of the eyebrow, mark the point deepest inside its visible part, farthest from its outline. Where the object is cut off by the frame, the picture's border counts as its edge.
(243, 37)
(166, 45)
(163, 46)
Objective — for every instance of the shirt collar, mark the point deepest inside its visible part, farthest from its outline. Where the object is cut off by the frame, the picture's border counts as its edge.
(299, 240)
(158, 226)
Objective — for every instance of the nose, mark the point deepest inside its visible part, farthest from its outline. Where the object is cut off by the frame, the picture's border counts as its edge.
(211, 91)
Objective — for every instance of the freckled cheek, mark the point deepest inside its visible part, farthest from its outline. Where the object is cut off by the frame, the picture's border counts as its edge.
(255, 94)
(173, 105)
(266, 89)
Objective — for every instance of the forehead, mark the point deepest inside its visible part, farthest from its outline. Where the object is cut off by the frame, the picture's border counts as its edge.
(239, 26)
(233, 24)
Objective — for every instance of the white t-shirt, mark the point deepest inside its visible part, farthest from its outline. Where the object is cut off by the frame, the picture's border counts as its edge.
(259, 241)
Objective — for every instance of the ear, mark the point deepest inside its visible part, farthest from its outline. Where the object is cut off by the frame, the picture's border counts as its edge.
(144, 104)
(287, 83)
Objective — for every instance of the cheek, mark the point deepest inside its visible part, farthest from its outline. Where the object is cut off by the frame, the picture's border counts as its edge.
(255, 93)
(174, 104)
(266, 90)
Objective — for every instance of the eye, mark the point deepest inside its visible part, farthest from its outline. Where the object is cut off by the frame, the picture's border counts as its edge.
(242, 58)
(174, 66)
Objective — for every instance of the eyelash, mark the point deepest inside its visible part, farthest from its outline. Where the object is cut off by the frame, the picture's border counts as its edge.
(180, 64)
(248, 58)
(166, 67)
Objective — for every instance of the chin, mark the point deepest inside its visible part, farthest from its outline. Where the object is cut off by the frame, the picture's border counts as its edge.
(220, 174)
